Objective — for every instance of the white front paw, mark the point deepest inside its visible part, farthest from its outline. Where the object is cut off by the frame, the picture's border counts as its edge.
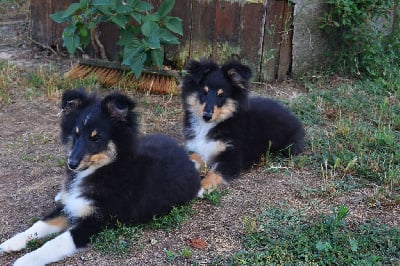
(15, 243)
(200, 193)
(29, 259)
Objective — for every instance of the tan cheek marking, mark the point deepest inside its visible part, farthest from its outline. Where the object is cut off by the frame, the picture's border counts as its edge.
(224, 112)
(206, 89)
(220, 92)
(195, 105)
(60, 221)
(98, 158)
(77, 130)
(211, 181)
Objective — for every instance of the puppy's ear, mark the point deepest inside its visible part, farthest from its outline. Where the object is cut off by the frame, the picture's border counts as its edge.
(72, 103)
(238, 73)
(200, 69)
(73, 100)
(117, 106)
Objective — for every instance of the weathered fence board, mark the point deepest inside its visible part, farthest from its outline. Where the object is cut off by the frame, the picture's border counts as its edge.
(260, 34)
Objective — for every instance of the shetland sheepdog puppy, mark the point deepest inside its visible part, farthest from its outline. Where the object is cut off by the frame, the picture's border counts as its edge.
(227, 130)
(112, 175)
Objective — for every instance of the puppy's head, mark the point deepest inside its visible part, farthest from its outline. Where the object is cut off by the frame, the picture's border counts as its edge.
(215, 93)
(90, 126)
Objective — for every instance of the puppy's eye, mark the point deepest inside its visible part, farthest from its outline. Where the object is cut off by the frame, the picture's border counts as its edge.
(220, 93)
(94, 136)
(77, 132)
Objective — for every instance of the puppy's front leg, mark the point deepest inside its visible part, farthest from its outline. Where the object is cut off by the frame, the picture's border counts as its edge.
(52, 251)
(49, 225)
(64, 245)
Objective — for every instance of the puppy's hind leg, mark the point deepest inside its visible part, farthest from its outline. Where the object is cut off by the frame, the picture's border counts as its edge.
(209, 183)
(54, 223)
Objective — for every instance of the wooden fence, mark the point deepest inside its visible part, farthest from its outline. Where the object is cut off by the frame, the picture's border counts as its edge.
(260, 34)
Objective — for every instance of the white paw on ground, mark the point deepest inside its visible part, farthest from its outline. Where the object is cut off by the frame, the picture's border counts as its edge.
(15, 243)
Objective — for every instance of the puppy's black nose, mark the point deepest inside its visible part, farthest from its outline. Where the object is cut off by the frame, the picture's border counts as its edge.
(73, 164)
(207, 116)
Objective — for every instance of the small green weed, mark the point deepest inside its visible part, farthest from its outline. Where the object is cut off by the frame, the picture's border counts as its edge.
(170, 255)
(37, 243)
(214, 197)
(286, 237)
(186, 253)
(174, 219)
(117, 241)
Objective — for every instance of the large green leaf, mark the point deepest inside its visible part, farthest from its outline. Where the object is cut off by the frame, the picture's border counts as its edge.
(72, 9)
(149, 27)
(165, 7)
(137, 64)
(128, 35)
(143, 6)
(122, 9)
(153, 42)
(157, 57)
(120, 20)
(71, 42)
(167, 37)
(84, 37)
(59, 17)
(108, 3)
(174, 24)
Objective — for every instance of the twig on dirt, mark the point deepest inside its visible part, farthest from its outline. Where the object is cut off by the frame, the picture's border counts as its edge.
(44, 46)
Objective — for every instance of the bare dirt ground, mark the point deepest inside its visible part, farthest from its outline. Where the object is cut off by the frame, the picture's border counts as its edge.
(31, 172)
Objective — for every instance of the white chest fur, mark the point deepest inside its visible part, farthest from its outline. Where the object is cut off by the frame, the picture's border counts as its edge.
(201, 144)
(76, 205)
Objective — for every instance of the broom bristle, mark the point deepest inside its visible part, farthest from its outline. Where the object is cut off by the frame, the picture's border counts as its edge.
(148, 82)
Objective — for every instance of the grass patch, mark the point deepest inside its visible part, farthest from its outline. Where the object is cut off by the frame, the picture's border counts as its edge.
(8, 74)
(353, 132)
(174, 219)
(117, 241)
(279, 237)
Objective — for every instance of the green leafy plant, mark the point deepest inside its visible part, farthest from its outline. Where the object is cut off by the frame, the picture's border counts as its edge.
(143, 34)
(364, 41)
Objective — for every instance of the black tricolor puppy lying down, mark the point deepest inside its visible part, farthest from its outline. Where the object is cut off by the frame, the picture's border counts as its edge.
(112, 175)
(226, 129)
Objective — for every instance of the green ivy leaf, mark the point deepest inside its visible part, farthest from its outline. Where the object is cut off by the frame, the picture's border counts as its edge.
(165, 7)
(174, 24)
